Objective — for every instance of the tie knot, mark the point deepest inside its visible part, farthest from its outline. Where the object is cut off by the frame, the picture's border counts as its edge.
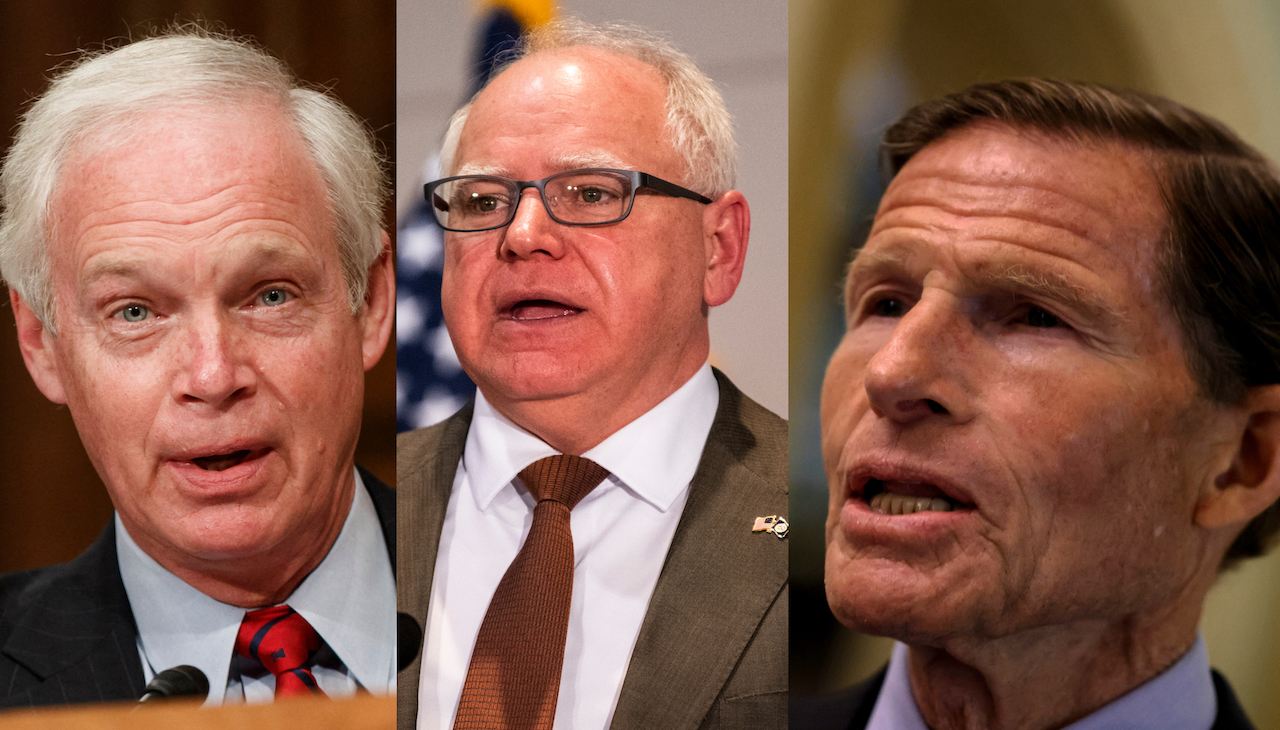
(565, 479)
(283, 642)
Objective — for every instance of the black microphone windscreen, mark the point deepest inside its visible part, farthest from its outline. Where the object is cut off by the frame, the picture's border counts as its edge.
(180, 681)
(408, 640)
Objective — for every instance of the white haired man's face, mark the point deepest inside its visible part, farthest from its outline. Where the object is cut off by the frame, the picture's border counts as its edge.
(540, 311)
(206, 347)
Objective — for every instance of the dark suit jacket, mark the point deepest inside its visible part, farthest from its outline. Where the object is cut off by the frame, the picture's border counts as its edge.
(850, 709)
(67, 632)
(712, 651)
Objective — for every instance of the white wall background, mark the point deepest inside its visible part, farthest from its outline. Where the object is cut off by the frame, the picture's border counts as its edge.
(744, 51)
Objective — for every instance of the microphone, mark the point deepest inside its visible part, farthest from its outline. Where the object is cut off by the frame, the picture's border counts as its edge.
(408, 640)
(180, 681)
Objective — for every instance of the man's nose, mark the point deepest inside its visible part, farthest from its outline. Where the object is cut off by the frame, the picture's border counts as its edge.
(216, 371)
(532, 231)
(922, 370)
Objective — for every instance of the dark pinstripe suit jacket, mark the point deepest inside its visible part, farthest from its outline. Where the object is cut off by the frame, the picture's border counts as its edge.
(67, 633)
(712, 651)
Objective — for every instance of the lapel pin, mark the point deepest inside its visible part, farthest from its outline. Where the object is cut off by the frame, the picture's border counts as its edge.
(775, 524)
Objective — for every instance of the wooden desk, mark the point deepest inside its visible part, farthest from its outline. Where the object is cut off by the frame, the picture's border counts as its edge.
(365, 712)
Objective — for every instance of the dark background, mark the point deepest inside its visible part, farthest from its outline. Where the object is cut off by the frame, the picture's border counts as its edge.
(52, 503)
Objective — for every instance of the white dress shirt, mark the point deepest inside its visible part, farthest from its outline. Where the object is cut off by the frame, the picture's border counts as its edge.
(349, 599)
(621, 533)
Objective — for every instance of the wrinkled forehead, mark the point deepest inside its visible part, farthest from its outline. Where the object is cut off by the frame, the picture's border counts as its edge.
(187, 153)
(1076, 198)
(255, 132)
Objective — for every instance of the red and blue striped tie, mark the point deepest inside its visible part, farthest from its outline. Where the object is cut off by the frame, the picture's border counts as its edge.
(284, 643)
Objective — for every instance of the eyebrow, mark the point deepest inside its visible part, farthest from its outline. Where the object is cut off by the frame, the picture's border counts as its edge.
(472, 168)
(586, 160)
(133, 266)
(122, 267)
(865, 264)
(1051, 285)
(563, 163)
(1018, 278)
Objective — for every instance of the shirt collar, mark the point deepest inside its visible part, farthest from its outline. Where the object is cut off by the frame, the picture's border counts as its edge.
(349, 599)
(655, 455)
(895, 708)
(1179, 698)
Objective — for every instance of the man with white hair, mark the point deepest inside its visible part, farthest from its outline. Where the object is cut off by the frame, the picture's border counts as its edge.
(197, 269)
(591, 225)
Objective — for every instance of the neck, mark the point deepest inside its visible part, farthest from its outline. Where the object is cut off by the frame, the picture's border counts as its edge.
(262, 582)
(1047, 677)
(577, 423)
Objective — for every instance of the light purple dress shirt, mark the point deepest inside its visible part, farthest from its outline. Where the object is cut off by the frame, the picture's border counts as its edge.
(1180, 698)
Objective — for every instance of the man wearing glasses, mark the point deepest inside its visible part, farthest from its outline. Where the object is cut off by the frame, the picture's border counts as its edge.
(591, 224)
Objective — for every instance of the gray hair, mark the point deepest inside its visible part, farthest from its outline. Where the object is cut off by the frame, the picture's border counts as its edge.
(698, 124)
(189, 65)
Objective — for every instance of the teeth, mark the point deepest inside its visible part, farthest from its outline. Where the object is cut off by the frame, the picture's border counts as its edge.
(221, 462)
(888, 503)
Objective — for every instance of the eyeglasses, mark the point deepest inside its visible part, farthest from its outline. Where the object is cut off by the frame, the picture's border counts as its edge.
(590, 197)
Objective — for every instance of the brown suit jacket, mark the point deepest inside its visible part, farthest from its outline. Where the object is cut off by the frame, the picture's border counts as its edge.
(712, 652)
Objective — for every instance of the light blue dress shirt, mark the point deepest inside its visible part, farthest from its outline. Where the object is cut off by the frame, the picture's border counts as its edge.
(1180, 698)
(349, 599)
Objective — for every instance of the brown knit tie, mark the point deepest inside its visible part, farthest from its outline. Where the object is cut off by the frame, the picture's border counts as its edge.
(514, 678)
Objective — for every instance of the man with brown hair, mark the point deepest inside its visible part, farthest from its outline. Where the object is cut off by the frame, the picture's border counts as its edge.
(1054, 415)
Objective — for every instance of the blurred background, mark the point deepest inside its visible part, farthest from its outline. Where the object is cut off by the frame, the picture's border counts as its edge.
(854, 68)
(743, 51)
(52, 503)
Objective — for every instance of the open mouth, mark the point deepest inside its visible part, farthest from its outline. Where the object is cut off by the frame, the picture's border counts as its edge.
(536, 309)
(221, 462)
(892, 497)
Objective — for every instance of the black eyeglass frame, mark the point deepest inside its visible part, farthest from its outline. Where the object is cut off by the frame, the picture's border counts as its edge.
(638, 180)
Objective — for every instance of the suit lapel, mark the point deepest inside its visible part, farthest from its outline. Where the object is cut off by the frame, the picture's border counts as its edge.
(847, 709)
(718, 581)
(74, 638)
(1230, 714)
(426, 464)
(384, 503)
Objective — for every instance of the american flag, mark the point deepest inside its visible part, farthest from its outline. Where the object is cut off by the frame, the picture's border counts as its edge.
(430, 384)
(773, 524)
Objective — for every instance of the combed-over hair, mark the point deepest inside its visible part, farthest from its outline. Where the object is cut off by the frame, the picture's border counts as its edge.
(698, 123)
(1219, 266)
(102, 92)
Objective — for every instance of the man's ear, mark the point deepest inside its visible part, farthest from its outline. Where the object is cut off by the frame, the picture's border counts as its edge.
(38, 350)
(1252, 482)
(379, 305)
(726, 226)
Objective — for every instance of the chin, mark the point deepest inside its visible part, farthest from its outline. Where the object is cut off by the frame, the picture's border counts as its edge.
(229, 532)
(528, 381)
(891, 599)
